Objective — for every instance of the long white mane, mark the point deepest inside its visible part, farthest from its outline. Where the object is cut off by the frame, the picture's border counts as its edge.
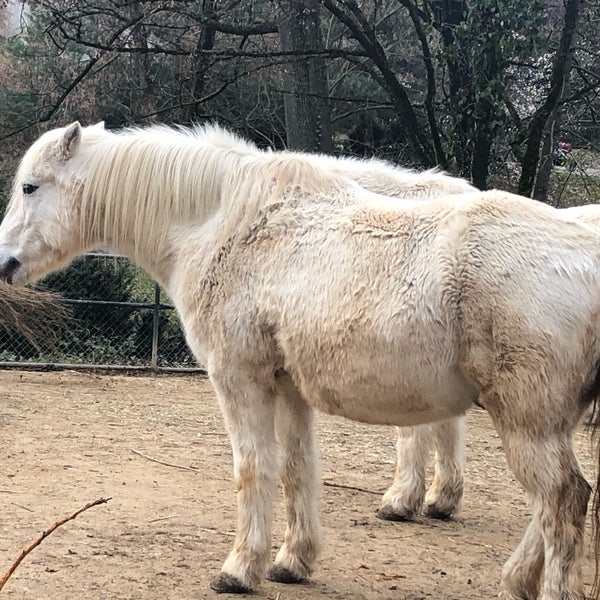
(138, 182)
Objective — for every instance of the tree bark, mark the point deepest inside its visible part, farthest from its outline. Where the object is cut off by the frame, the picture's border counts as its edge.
(205, 42)
(307, 109)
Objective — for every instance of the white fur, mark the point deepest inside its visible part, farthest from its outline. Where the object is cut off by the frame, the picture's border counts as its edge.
(404, 499)
(298, 289)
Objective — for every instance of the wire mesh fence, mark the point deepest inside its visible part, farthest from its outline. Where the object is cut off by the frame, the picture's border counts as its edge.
(120, 318)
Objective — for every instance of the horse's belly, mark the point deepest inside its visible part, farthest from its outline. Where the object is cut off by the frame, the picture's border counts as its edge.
(403, 402)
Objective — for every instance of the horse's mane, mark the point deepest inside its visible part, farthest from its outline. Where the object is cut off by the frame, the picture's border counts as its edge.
(161, 176)
(388, 179)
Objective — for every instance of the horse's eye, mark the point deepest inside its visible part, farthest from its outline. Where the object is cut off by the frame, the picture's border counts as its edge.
(29, 188)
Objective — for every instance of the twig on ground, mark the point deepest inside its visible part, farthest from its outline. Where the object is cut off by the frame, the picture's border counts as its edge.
(44, 535)
(23, 507)
(350, 487)
(207, 530)
(162, 518)
(166, 464)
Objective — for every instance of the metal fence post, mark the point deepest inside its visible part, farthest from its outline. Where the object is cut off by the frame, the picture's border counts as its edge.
(155, 323)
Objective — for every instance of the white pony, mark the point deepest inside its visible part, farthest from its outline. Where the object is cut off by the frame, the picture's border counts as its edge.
(298, 289)
(404, 499)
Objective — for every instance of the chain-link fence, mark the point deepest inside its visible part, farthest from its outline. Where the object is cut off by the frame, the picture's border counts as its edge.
(119, 319)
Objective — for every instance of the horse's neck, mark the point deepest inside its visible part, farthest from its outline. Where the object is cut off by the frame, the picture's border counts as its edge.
(174, 250)
(143, 217)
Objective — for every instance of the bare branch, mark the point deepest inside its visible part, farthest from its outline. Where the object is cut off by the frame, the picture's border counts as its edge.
(44, 535)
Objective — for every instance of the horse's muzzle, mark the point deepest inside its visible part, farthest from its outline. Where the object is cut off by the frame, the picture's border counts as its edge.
(9, 268)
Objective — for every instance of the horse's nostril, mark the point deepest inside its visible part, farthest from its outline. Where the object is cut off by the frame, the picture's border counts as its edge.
(9, 268)
(13, 264)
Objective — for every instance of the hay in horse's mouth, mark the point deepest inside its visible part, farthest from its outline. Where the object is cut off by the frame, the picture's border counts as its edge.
(38, 316)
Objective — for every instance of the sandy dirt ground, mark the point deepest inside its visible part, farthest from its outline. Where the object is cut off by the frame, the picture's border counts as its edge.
(69, 438)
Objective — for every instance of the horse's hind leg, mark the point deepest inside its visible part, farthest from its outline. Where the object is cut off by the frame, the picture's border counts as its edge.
(300, 477)
(445, 494)
(522, 571)
(563, 523)
(248, 406)
(546, 466)
(404, 499)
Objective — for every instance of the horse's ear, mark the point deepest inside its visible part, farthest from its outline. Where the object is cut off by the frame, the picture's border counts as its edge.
(69, 142)
(98, 125)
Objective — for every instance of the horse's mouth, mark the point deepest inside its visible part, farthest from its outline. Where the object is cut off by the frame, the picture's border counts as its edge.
(9, 269)
(6, 277)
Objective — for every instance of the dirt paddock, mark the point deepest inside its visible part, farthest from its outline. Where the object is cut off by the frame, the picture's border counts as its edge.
(69, 438)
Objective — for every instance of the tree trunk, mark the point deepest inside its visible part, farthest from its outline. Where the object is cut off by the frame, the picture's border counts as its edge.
(448, 15)
(307, 109)
(560, 68)
(542, 181)
(482, 145)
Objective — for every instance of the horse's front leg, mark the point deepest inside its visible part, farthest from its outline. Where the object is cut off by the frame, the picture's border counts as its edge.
(300, 477)
(247, 402)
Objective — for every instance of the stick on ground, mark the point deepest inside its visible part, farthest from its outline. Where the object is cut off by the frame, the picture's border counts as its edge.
(350, 487)
(162, 462)
(44, 535)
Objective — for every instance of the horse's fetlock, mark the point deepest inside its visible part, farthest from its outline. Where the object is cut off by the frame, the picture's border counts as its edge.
(402, 503)
(442, 501)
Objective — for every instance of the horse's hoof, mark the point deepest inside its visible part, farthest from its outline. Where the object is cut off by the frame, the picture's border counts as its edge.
(432, 511)
(224, 583)
(387, 513)
(280, 574)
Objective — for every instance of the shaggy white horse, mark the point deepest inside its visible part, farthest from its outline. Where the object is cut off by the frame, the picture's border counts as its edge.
(298, 289)
(407, 495)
